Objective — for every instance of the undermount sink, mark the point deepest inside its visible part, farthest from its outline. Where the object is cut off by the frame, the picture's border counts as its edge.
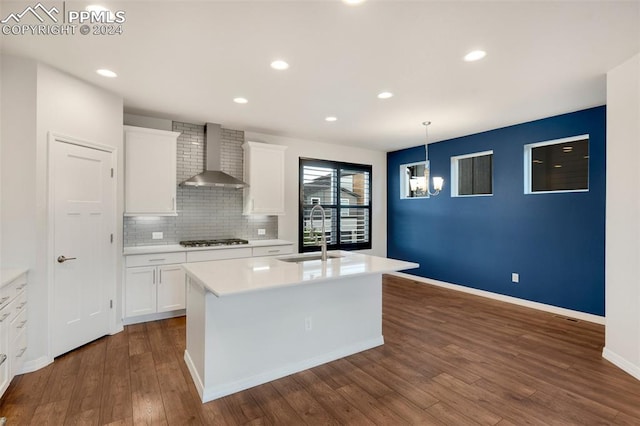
(298, 259)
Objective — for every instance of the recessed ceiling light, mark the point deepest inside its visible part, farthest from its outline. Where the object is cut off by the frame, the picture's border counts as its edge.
(385, 95)
(353, 2)
(279, 65)
(240, 100)
(475, 55)
(106, 73)
(331, 118)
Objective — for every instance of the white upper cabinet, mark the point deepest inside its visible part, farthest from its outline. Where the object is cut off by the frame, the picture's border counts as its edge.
(264, 172)
(150, 171)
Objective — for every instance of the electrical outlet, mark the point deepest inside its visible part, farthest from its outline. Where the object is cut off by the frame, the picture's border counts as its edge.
(308, 325)
(157, 235)
(262, 231)
(515, 277)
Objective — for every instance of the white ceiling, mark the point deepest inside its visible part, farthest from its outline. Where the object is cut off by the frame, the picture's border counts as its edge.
(187, 60)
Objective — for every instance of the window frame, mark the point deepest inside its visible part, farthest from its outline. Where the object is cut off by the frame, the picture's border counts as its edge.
(455, 169)
(337, 166)
(528, 171)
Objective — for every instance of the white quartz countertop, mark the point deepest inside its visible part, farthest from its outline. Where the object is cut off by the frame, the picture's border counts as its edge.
(237, 276)
(8, 275)
(171, 248)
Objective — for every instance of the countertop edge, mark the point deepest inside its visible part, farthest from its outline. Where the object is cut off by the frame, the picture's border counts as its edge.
(401, 265)
(174, 248)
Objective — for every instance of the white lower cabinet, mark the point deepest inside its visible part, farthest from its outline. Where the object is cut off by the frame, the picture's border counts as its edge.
(154, 284)
(154, 289)
(13, 328)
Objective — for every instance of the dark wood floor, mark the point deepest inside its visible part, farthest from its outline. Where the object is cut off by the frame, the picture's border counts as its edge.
(449, 359)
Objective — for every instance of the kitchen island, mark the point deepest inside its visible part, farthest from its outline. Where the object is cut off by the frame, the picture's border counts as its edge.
(253, 320)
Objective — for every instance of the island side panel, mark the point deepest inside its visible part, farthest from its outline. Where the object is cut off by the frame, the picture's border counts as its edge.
(196, 320)
(261, 336)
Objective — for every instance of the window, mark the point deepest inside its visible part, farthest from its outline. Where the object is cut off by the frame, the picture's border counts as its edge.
(413, 180)
(344, 191)
(472, 174)
(560, 165)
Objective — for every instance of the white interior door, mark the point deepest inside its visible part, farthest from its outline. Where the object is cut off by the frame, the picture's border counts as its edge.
(83, 199)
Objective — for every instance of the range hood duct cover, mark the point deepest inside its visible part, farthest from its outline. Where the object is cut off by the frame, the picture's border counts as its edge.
(213, 176)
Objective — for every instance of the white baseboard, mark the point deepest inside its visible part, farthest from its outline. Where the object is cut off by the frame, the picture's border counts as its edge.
(621, 363)
(35, 364)
(224, 389)
(509, 299)
(153, 317)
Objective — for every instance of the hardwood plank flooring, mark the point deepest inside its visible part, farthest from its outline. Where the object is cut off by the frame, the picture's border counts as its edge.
(449, 358)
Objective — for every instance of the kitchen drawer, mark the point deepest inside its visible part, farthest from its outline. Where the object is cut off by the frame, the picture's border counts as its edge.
(155, 259)
(11, 290)
(7, 313)
(272, 250)
(219, 254)
(20, 304)
(19, 346)
(18, 325)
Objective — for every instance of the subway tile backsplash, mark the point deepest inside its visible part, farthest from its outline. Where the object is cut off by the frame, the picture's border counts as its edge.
(202, 212)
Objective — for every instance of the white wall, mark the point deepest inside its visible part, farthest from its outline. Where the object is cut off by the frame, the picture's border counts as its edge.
(43, 99)
(296, 148)
(622, 310)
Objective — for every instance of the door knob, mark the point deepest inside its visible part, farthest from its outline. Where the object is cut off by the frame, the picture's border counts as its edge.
(62, 259)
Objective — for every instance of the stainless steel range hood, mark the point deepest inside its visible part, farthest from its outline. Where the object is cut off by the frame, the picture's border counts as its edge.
(213, 175)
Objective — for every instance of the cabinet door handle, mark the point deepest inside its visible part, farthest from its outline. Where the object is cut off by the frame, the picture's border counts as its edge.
(160, 280)
(22, 352)
(4, 299)
(4, 317)
(3, 358)
(274, 251)
(22, 305)
(173, 203)
(154, 276)
(157, 260)
(22, 286)
(22, 324)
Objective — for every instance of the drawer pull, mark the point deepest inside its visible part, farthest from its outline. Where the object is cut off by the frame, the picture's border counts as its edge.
(157, 260)
(21, 352)
(3, 358)
(4, 299)
(22, 305)
(22, 324)
(274, 251)
(4, 317)
(21, 287)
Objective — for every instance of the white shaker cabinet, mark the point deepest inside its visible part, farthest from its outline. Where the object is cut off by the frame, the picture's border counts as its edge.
(264, 172)
(150, 171)
(13, 325)
(154, 284)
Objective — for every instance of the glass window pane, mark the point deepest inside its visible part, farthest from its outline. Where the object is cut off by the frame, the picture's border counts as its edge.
(560, 167)
(475, 175)
(320, 185)
(354, 227)
(354, 186)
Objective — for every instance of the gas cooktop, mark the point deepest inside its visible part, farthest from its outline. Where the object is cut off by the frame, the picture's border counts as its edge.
(217, 242)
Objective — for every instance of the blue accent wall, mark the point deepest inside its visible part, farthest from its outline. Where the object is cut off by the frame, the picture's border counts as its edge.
(554, 241)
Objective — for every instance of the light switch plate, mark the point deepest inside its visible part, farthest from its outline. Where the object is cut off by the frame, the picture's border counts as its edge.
(157, 235)
(262, 231)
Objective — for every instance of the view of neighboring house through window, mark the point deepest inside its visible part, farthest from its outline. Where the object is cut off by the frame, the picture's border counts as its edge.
(472, 174)
(344, 191)
(560, 165)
